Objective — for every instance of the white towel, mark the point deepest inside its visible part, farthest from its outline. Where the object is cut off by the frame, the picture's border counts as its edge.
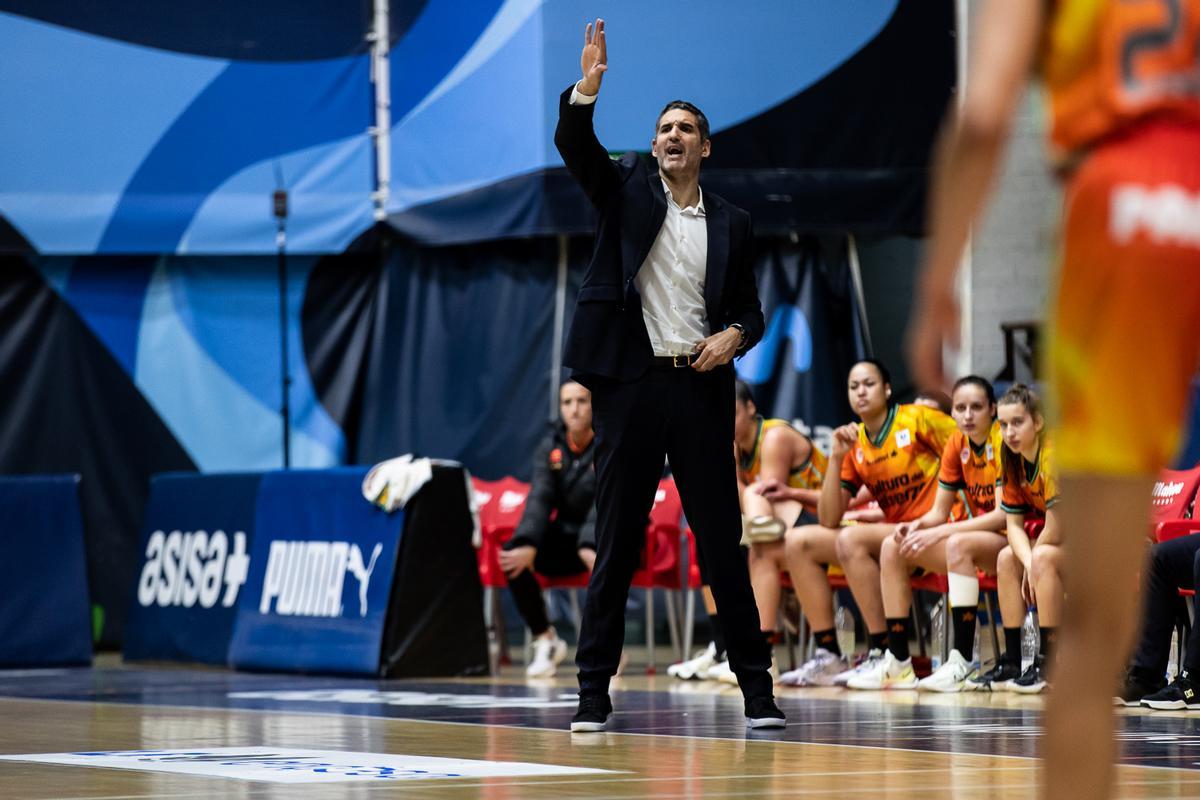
(391, 484)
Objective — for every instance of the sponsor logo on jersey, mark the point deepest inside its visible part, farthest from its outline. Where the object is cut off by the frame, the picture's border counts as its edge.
(189, 568)
(1166, 214)
(305, 578)
(965, 455)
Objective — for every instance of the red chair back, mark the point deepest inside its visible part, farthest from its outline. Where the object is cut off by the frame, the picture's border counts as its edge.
(1033, 528)
(500, 505)
(1173, 494)
(660, 557)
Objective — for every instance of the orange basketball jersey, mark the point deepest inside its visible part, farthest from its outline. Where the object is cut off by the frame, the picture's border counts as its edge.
(973, 470)
(1037, 490)
(899, 466)
(1107, 63)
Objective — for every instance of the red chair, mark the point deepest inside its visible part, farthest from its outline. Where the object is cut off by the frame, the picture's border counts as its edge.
(660, 566)
(1171, 503)
(500, 505)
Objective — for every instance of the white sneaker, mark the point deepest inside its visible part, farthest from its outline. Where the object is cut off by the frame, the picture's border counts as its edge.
(723, 672)
(697, 668)
(949, 677)
(888, 673)
(548, 653)
(869, 662)
(819, 670)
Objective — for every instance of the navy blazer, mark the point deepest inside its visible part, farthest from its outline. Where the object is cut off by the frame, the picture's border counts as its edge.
(608, 336)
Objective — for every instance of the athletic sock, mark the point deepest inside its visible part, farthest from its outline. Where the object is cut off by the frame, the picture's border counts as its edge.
(1012, 644)
(1046, 644)
(718, 635)
(963, 620)
(897, 637)
(877, 641)
(828, 640)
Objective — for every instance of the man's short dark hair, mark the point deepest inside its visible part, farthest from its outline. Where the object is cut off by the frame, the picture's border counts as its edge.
(701, 120)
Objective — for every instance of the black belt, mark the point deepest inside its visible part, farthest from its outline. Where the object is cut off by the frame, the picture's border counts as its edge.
(674, 362)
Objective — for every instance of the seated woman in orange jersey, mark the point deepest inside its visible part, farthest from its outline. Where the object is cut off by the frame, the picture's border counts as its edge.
(895, 453)
(970, 468)
(1026, 571)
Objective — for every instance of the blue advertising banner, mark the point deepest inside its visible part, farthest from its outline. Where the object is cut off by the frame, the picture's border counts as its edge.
(44, 614)
(196, 542)
(798, 369)
(321, 573)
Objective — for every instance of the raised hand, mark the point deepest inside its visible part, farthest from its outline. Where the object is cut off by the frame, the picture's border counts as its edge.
(593, 61)
(843, 441)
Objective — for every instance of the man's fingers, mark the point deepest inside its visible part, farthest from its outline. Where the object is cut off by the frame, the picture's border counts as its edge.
(603, 44)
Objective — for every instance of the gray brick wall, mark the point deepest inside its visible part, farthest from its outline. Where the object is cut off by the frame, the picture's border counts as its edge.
(1013, 249)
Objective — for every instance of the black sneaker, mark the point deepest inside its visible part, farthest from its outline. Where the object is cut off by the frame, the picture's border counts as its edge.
(1134, 688)
(593, 713)
(1032, 680)
(997, 679)
(1182, 693)
(761, 712)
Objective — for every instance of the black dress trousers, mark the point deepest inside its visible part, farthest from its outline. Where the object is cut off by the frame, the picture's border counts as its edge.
(686, 416)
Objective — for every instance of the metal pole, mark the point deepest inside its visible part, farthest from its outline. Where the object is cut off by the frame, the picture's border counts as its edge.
(560, 311)
(285, 377)
(381, 131)
(966, 287)
(856, 279)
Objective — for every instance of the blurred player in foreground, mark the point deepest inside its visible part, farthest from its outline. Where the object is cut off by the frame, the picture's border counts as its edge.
(1123, 86)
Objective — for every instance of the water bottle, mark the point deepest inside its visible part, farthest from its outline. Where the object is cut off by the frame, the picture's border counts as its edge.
(843, 621)
(1173, 658)
(937, 632)
(1030, 639)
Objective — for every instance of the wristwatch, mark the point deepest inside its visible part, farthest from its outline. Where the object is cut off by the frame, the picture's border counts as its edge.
(741, 333)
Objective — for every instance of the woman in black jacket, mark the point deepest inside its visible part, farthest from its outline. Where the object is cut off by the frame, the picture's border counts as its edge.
(556, 535)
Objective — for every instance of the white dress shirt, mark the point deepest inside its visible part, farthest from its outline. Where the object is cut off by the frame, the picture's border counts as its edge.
(671, 279)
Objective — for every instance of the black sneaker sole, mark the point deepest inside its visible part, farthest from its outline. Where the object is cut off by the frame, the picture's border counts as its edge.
(766, 722)
(1170, 705)
(1034, 688)
(589, 727)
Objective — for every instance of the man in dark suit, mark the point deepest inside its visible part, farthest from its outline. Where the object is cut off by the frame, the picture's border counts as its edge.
(667, 302)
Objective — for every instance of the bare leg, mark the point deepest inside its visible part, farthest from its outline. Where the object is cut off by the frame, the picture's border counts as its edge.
(755, 505)
(965, 552)
(766, 560)
(858, 551)
(1008, 586)
(1046, 569)
(1104, 521)
(894, 574)
(710, 605)
(808, 549)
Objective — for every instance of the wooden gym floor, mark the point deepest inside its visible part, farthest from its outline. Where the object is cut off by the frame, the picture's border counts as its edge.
(668, 739)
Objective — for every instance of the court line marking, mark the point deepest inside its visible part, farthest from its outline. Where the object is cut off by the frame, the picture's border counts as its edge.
(764, 739)
(765, 791)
